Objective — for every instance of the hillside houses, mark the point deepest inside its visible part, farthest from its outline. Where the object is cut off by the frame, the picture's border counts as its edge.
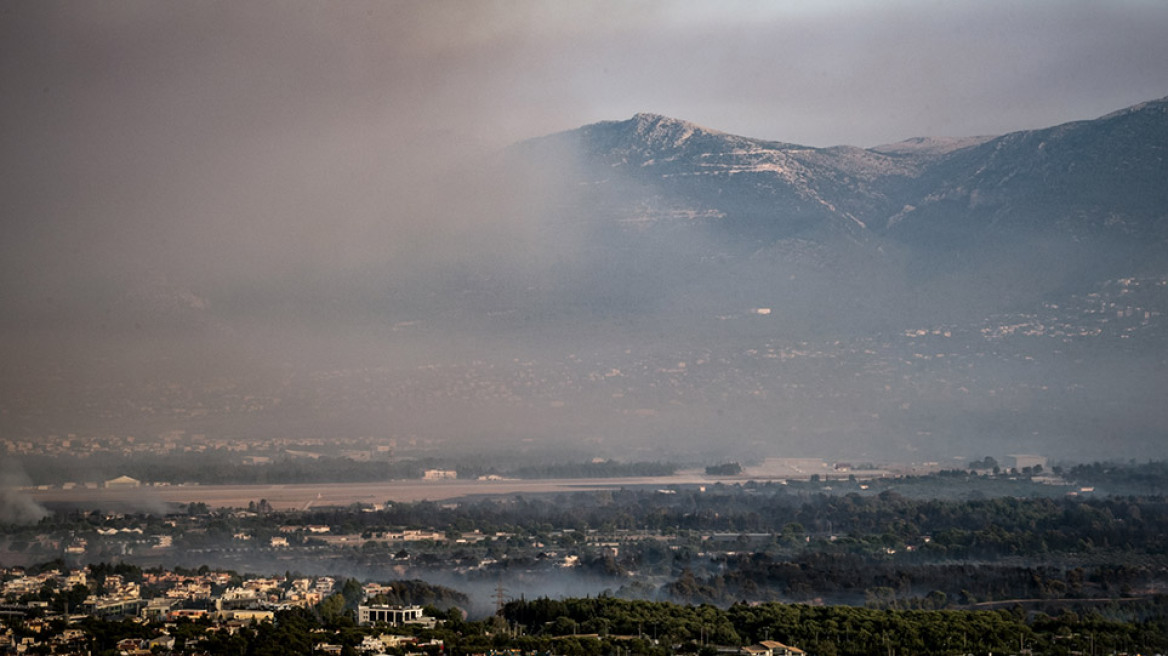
(221, 601)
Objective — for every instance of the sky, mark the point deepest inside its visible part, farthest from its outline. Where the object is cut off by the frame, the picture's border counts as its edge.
(249, 150)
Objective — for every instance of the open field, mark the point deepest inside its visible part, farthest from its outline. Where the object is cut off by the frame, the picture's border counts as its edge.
(306, 495)
(303, 496)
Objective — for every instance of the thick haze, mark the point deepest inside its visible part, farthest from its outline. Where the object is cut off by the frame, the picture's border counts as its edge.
(203, 191)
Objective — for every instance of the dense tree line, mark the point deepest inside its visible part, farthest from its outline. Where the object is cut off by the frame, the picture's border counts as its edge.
(857, 580)
(420, 593)
(883, 550)
(1149, 477)
(967, 529)
(602, 625)
(831, 630)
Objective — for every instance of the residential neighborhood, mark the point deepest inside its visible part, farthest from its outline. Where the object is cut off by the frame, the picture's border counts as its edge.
(47, 610)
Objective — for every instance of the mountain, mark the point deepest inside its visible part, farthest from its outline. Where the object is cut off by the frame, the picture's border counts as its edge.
(654, 169)
(1106, 178)
(1103, 176)
(997, 221)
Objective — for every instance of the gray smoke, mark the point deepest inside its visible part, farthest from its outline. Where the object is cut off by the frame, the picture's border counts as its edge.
(16, 506)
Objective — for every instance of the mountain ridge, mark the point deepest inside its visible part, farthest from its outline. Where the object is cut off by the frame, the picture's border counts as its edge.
(921, 185)
(660, 208)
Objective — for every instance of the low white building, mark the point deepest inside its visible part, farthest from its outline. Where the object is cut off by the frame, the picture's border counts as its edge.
(391, 615)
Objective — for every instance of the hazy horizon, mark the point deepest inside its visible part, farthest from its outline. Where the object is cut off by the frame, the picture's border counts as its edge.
(313, 210)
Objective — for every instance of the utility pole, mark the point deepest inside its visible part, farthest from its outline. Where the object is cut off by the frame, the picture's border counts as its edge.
(500, 599)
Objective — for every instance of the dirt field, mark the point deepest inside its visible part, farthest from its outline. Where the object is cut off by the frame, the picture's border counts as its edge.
(334, 494)
(340, 494)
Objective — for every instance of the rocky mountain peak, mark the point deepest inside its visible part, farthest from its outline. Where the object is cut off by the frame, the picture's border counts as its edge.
(656, 131)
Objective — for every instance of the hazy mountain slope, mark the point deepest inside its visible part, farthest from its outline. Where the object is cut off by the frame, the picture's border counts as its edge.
(978, 224)
(653, 169)
(1105, 178)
